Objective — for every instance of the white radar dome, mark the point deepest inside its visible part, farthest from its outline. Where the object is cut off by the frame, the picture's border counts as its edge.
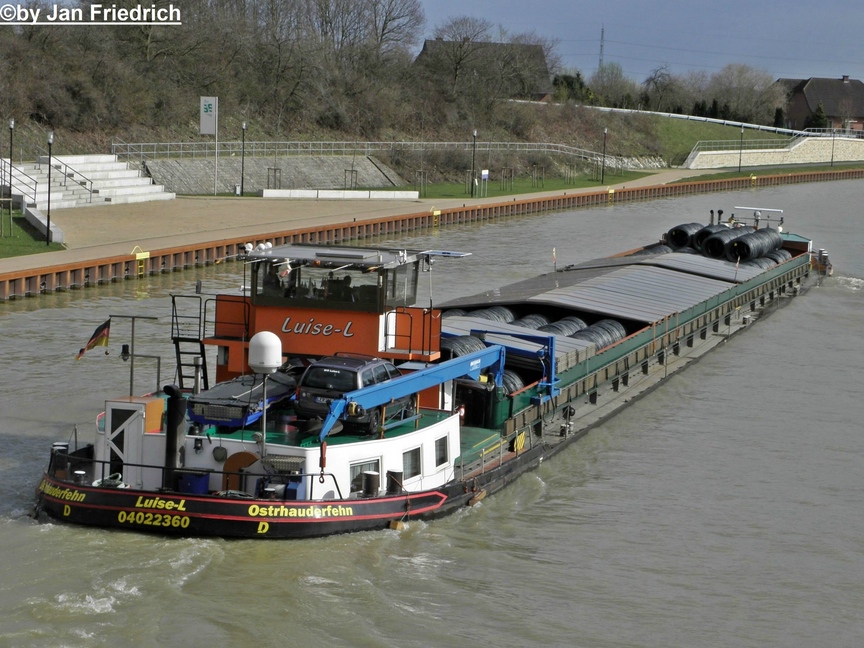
(265, 352)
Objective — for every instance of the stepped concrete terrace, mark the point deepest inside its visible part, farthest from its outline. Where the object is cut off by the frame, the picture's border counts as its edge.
(91, 180)
(78, 181)
(205, 176)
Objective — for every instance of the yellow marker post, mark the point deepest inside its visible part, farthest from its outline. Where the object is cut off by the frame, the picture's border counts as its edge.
(140, 256)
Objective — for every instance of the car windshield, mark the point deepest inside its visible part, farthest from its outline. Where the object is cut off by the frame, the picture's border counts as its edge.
(330, 378)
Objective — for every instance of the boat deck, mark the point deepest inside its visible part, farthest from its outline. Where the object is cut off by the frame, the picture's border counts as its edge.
(474, 440)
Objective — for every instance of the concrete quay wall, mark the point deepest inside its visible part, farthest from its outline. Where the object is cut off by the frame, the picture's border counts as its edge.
(32, 282)
(813, 150)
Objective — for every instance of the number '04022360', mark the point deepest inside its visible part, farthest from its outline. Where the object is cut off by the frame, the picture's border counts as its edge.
(153, 519)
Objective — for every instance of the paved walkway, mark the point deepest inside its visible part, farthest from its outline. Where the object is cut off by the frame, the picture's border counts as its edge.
(101, 232)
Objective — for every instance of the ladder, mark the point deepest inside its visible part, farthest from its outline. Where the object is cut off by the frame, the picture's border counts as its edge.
(187, 333)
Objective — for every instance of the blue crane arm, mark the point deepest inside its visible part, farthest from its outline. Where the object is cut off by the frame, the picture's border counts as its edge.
(470, 365)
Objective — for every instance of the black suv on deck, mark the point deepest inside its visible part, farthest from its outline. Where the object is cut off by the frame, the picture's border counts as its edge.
(329, 378)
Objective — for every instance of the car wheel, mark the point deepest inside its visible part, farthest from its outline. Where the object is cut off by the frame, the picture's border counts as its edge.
(408, 410)
(374, 422)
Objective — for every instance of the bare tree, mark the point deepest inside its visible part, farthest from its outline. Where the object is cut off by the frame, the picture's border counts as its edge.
(612, 88)
(394, 24)
(659, 86)
(750, 93)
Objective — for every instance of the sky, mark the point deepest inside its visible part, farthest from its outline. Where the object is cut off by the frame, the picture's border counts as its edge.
(787, 38)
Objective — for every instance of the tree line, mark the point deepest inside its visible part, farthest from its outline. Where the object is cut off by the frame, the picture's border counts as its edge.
(335, 68)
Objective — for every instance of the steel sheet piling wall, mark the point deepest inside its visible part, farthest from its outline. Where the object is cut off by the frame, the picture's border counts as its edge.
(30, 283)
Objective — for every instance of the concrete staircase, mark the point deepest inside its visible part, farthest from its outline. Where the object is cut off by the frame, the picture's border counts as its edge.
(86, 180)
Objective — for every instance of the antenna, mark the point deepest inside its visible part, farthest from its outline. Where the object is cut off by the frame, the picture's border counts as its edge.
(602, 38)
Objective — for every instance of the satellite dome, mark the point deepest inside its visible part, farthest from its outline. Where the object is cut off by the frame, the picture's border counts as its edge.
(265, 352)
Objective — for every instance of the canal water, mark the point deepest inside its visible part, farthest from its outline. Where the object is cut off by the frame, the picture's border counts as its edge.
(725, 509)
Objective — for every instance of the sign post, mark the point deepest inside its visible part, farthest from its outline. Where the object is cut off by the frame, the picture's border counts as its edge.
(210, 126)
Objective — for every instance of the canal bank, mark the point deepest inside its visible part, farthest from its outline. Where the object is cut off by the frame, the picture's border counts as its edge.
(128, 242)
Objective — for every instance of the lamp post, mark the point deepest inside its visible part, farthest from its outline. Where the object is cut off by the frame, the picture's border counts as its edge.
(243, 159)
(741, 148)
(11, 129)
(48, 230)
(603, 168)
(833, 130)
(473, 157)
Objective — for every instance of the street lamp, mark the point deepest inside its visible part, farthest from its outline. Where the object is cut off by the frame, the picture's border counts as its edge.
(833, 130)
(603, 168)
(473, 157)
(48, 230)
(243, 158)
(11, 128)
(741, 148)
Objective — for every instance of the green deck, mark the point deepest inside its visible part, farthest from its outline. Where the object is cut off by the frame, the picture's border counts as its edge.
(299, 439)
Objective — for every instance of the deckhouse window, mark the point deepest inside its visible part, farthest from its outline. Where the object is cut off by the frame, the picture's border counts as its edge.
(441, 454)
(357, 471)
(411, 463)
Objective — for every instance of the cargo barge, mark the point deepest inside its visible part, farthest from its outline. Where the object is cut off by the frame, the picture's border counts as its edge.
(379, 411)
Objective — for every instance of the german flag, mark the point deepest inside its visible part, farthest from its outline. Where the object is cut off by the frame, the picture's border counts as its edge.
(99, 338)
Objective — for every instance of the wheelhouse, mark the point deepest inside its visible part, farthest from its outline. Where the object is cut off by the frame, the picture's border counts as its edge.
(321, 300)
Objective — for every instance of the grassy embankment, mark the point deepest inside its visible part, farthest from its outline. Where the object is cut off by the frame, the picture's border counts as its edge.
(669, 139)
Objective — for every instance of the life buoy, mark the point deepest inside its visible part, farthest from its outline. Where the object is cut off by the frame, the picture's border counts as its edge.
(114, 480)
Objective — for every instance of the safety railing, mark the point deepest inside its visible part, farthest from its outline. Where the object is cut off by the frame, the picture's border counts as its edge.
(736, 145)
(20, 182)
(67, 173)
(141, 152)
(74, 468)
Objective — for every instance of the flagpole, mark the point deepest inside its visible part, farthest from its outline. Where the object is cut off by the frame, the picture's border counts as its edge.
(131, 357)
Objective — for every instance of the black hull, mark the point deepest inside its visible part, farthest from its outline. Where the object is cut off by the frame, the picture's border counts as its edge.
(179, 514)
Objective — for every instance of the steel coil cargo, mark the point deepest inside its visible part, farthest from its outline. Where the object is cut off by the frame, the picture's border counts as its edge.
(453, 312)
(779, 255)
(657, 248)
(615, 329)
(700, 236)
(563, 327)
(512, 381)
(603, 333)
(460, 345)
(598, 337)
(762, 262)
(495, 314)
(753, 245)
(578, 321)
(533, 321)
(715, 245)
(680, 236)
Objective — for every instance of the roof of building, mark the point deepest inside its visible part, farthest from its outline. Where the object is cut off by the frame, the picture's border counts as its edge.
(839, 97)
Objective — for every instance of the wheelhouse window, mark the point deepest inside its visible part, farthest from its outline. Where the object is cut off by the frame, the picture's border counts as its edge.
(442, 455)
(401, 288)
(278, 283)
(357, 471)
(411, 463)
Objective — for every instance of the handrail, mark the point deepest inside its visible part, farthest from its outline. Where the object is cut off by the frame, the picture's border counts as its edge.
(735, 145)
(95, 469)
(144, 151)
(67, 172)
(19, 180)
(790, 142)
(835, 132)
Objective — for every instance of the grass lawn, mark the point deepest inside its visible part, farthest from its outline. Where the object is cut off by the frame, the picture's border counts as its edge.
(23, 239)
(519, 186)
